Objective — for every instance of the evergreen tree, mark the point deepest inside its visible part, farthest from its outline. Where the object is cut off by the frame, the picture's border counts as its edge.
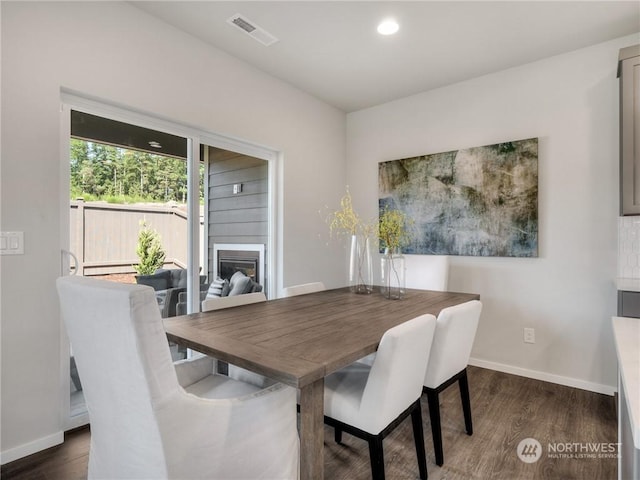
(105, 172)
(149, 250)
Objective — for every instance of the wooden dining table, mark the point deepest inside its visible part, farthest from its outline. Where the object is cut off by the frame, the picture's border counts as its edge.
(300, 340)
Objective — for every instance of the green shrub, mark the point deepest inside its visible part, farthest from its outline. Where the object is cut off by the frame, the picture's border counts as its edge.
(149, 250)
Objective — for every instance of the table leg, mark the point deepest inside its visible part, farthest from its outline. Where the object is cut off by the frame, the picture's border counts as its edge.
(312, 431)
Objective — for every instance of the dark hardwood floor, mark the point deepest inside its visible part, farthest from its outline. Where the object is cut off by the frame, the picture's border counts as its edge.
(506, 409)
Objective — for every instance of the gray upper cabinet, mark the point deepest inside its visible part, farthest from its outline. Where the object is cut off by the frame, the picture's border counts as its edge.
(629, 75)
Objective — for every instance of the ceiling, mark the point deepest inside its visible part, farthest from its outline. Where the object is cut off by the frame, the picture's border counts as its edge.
(332, 50)
(111, 132)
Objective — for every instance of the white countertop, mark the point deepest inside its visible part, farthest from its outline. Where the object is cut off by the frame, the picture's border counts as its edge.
(626, 333)
(628, 284)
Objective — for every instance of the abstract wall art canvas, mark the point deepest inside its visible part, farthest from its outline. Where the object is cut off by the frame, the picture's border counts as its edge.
(480, 201)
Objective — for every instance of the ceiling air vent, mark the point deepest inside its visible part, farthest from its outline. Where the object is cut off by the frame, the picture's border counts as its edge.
(251, 29)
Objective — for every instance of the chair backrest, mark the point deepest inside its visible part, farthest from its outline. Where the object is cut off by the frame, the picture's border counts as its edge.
(455, 331)
(395, 379)
(302, 289)
(123, 359)
(218, 303)
(428, 272)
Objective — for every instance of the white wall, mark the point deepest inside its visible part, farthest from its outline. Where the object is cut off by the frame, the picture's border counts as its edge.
(570, 102)
(115, 52)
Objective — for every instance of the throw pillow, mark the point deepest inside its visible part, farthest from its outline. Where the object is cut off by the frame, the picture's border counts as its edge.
(235, 277)
(226, 287)
(218, 288)
(241, 285)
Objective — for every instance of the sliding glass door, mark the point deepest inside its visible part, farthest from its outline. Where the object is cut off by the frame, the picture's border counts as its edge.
(137, 189)
(130, 216)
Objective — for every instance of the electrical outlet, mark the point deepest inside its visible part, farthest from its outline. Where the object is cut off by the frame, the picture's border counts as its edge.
(529, 335)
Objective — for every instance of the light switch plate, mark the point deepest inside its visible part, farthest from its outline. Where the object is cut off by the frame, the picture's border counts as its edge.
(11, 243)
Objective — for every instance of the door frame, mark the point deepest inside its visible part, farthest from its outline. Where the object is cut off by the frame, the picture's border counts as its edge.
(72, 100)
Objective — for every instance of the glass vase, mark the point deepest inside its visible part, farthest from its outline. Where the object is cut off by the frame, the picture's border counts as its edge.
(392, 282)
(360, 271)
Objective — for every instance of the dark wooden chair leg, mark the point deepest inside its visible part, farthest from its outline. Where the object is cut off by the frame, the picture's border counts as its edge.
(463, 382)
(376, 453)
(436, 432)
(377, 457)
(418, 436)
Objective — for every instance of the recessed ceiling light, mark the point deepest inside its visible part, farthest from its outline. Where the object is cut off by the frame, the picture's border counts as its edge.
(388, 27)
(155, 144)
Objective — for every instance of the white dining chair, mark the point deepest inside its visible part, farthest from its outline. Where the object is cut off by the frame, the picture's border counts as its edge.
(303, 289)
(218, 303)
(455, 331)
(427, 272)
(233, 371)
(369, 402)
(151, 419)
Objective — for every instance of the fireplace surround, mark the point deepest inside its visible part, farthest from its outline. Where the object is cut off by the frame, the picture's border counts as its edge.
(248, 258)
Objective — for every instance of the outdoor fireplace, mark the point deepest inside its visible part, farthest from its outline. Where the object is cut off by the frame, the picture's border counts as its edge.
(229, 258)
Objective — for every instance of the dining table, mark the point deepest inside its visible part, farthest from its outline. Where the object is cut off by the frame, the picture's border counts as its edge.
(300, 340)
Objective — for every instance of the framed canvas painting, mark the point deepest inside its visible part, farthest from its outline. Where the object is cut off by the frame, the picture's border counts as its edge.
(480, 201)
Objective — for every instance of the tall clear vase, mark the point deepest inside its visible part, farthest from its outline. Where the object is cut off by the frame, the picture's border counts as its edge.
(392, 282)
(360, 267)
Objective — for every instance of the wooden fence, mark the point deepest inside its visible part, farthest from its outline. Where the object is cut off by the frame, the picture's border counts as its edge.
(104, 236)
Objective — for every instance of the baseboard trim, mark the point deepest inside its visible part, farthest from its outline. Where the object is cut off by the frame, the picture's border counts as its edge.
(544, 376)
(30, 448)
